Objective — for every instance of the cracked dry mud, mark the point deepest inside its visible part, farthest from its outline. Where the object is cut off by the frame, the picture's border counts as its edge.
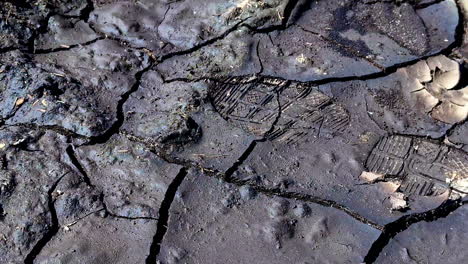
(237, 131)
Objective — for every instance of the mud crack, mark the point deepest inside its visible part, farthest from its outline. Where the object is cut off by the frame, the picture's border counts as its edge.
(413, 3)
(164, 216)
(201, 45)
(392, 229)
(70, 47)
(115, 128)
(74, 160)
(384, 71)
(53, 229)
(277, 192)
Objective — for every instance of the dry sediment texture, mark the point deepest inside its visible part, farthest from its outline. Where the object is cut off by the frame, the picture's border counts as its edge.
(237, 131)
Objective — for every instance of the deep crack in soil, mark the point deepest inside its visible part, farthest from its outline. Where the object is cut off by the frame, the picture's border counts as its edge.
(52, 230)
(392, 229)
(72, 156)
(164, 216)
(115, 128)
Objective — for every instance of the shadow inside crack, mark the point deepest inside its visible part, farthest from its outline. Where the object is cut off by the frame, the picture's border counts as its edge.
(155, 247)
(400, 225)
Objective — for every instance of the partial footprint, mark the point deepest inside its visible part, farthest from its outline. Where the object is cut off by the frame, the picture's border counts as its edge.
(425, 167)
(277, 110)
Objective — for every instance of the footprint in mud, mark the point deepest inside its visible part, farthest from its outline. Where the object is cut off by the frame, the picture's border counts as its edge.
(424, 167)
(277, 110)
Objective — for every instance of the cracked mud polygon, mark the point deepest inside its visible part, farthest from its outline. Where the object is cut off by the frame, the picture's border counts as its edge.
(235, 131)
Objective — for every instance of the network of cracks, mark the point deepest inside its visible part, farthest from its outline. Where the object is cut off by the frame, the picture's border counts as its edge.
(253, 131)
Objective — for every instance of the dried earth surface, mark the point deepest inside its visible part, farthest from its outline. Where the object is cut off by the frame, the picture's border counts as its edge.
(236, 131)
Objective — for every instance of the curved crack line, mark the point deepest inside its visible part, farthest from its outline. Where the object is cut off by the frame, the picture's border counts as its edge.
(203, 44)
(67, 47)
(70, 150)
(74, 160)
(164, 18)
(392, 229)
(54, 128)
(74, 222)
(277, 192)
(459, 37)
(428, 4)
(8, 49)
(115, 127)
(108, 212)
(161, 230)
(410, 2)
(369, 114)
(227, 177)
(257, 51)
(132, 217)
(52, 230)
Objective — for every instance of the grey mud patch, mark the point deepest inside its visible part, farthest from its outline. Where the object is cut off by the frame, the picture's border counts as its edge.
(257, 225)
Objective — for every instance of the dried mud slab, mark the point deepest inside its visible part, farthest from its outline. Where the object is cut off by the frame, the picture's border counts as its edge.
(220, 145)
(462, 50)
(173, 26)
(108, 72)
(314, 57)
(386, 32)
(136, 23)
(105, 67)
(133, 179)
(62, 33)
(75, 199)
(332, 39)
(333, 174)
(183, 128)
(18, 29)
(211, 221)
(32, 164)
(239, 131)
(33, 96)
(422, 99)
(159, 113)
(95, 239)
(87, 233)
(234, 55)
(428, 242)
(22, 21)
